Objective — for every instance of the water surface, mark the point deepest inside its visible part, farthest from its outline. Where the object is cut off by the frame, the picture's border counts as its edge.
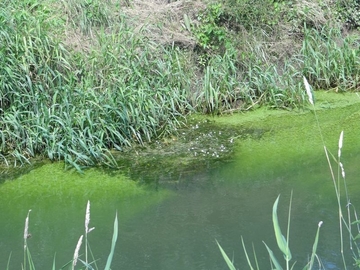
(172, 218)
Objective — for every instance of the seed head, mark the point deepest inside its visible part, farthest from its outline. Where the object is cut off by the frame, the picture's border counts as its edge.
(308, 91)
(340, 143)
(76, 253)
(26, 230)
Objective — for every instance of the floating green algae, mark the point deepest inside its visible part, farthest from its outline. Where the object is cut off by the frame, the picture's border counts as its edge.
(58, 198)
(290, 137)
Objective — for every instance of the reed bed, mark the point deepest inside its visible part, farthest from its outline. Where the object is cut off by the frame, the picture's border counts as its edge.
(78, 80)
(330, 60)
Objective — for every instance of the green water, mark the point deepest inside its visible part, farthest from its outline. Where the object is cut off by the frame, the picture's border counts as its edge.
(220, 186)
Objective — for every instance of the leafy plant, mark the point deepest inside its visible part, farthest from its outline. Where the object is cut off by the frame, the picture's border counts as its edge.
(348, 12)
(211, 36)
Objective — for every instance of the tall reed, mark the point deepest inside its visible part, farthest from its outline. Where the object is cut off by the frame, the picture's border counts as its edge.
(331, 60)
(29, 264)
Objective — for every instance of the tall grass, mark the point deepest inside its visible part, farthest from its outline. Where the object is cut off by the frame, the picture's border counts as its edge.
(112, 96)
(78, 81)
(77, 259)
(330, 59)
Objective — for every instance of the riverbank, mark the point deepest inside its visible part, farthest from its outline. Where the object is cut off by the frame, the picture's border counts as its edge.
(81, 80)
(207, 141)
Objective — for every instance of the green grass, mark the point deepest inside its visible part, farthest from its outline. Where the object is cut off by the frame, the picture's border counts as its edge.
(79, 80)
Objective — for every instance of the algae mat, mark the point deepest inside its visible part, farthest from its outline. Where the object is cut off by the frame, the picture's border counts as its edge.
(58, 200)
(287, 138)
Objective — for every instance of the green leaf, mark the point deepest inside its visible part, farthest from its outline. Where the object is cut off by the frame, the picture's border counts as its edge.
(280, 239)
(246, 254)
(313, 254)
(113, 242)
(53, 267)
(273, 259)
(226, 258)
(187, 23)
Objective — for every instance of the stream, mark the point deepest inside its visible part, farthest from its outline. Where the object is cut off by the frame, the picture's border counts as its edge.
(176, 199)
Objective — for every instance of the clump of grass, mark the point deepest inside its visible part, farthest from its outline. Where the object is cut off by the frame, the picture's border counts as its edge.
(80, 112)
(330, 59)
(87, 15)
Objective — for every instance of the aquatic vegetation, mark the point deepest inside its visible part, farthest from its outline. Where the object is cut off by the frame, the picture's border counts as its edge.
(28, 261)
(283, 245)
(56, 197)
(347, 222)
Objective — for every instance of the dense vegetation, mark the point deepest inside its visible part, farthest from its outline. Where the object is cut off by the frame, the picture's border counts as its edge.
(80, 79)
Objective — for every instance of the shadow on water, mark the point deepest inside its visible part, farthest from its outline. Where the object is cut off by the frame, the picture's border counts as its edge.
(218, 181)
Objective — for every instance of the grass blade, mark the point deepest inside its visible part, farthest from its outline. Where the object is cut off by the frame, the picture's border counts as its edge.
(53, 267)
(280, 239)
(113, 242)
(226, 258)
(273, 259)
(8, 263)
(246, 254)
(313, 254)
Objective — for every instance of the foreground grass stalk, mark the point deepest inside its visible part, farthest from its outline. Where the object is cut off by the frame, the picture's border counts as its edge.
(29, 264)
(87, 230)
(76, 252)
(113, 243)
(313, 254)
(336, 183)
(226, 258)
(282, 242)
(288, 229)
(26, 236)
